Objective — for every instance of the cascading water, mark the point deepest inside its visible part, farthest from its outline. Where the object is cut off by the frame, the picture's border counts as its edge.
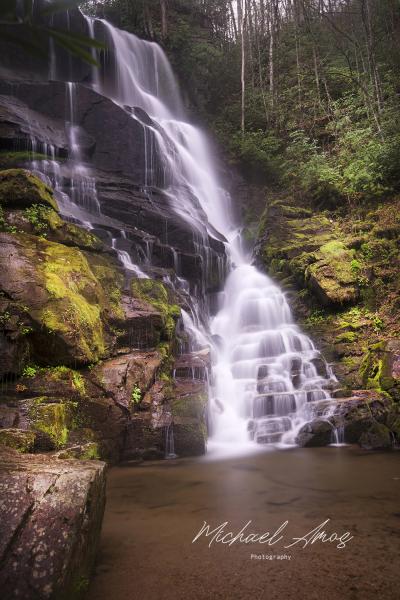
(268, 378)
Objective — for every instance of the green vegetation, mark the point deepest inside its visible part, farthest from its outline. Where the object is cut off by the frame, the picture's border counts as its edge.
(52, 419)
(29, 371)
(136, 396)
(318, 111)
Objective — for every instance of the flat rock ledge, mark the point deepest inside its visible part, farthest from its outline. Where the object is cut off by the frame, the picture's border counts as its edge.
(51, 512)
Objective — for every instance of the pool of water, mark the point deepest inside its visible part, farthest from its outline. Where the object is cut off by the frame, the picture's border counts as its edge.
(154, 511)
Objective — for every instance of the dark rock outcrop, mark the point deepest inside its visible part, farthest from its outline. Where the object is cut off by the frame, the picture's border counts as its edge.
(51, 513)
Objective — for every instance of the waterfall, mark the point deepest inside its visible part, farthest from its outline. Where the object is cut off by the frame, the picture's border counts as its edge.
(267, 377)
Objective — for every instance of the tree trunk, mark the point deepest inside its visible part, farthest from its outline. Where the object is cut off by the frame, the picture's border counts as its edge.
(164, 21)
(241, 20)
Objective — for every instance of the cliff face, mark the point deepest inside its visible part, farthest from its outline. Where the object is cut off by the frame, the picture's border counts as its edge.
(87, 356)
(340, 270)
(88, 352)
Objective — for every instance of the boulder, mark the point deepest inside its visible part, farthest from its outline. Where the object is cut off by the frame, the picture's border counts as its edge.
(376, 437)
(64, 303)
(314, 434)
(19, 188)
(51, 513)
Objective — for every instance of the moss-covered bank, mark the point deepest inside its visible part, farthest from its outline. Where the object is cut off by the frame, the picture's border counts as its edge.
(340, 270)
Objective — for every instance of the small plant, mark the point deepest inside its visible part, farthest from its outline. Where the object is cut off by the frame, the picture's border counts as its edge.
(317, 317)
(355, 266)
(4, 318)
(136, 395)
(30, 371)
(26, 330)
(35, 215)
(377, 323)
(367, 251)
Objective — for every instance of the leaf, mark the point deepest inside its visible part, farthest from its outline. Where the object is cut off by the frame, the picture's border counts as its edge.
(68, 44)
(80, 39)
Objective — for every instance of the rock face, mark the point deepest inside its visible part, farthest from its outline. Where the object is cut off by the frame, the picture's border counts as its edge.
(343, 288)
(87, 355)
(51, 513)
(367, 418)
(117, 165)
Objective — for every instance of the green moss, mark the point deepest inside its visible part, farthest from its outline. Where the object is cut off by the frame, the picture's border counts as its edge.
(346, 338)
(19, 188)
(154, 292)
(53, 419)
(333, 248)
(78, 299)
(111, 278)
(375, 368)
(16, 159)
(88, 451)
(18, 439)
(136, 396)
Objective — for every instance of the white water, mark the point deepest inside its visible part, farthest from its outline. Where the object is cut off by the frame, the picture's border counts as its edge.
(265, 383)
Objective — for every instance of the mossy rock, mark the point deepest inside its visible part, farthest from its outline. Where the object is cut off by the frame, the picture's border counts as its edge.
(156, 294)
(377, 437)
(76, 304)
(88, 451)
(375, 368)
(19, 188)
(52, 419)
(332, 277)
(21, 440)
(17, 159)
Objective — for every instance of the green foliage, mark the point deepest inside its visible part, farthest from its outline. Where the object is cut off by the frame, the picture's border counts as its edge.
(30, 371)
(258, 152)
(317, 317)
(36, 215)
(377, 323)
(136, 395)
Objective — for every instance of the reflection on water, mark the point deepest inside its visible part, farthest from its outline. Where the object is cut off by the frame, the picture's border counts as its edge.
(155, 509)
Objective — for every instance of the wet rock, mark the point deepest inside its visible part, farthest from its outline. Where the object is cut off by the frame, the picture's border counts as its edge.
(376, 437)
(193, 366)
(18, 124)
(121, 375)
(314, 434)
(320, 367)
(51, 513)
(189, 419)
